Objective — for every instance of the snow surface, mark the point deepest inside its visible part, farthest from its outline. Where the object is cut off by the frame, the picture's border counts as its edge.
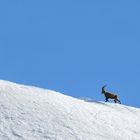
(30, 113)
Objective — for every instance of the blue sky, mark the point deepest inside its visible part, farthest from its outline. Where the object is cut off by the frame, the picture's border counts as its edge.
(73, 47)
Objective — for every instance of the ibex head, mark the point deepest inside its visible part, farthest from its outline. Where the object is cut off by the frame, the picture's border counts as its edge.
(103, 89)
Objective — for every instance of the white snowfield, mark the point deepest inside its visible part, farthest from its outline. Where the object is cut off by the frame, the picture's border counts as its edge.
(30, 113)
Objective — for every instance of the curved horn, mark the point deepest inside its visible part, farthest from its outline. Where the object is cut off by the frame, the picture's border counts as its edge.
(103, 88)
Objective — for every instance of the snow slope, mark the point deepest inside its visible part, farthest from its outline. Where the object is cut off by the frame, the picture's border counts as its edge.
(30, 113)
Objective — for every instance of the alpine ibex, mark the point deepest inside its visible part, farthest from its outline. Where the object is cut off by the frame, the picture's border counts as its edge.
(110, 95)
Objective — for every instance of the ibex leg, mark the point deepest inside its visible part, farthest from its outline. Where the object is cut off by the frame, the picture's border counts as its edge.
(106, 99)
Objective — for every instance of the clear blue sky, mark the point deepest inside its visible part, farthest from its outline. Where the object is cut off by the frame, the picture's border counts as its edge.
(72, 46)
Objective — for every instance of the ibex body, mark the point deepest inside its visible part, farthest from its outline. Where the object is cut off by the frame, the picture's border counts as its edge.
(110, 95)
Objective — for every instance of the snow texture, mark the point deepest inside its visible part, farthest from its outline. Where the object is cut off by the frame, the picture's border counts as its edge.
(30, 113)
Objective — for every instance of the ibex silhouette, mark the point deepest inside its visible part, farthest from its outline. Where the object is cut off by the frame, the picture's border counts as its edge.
(110, 95)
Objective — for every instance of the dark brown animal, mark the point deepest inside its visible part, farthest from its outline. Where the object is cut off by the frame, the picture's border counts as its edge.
(109, 95)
